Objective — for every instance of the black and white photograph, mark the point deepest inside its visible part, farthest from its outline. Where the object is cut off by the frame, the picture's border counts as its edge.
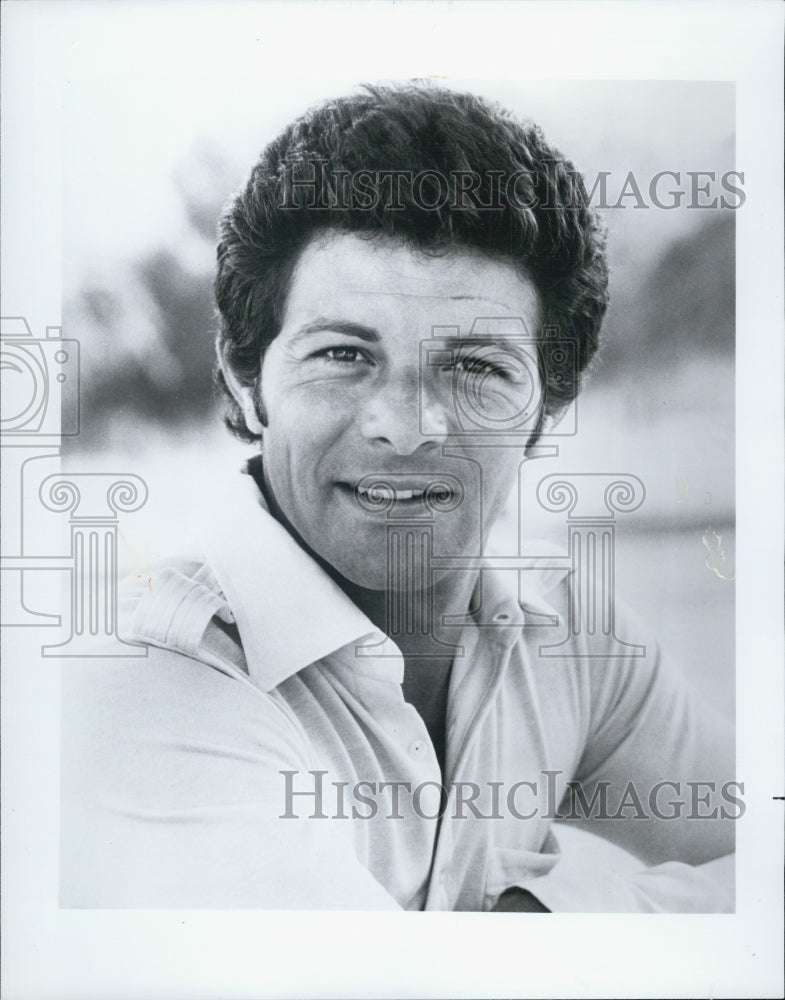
(392, 500)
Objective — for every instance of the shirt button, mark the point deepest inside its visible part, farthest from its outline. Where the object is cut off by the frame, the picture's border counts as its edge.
(501, 617)
(418, 749)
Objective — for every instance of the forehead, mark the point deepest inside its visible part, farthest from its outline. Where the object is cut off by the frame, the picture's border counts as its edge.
(383, 281)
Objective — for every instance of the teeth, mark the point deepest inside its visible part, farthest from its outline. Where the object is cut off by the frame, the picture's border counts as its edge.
(399, 494)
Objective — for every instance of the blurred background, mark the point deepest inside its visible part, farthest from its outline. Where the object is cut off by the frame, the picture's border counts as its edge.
(146, 172)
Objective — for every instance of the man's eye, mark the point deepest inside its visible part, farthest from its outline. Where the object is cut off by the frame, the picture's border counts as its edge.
(342, 355)
(479, 366)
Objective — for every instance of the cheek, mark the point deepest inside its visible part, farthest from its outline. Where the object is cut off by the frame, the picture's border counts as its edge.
(289, 394)
(304, 426)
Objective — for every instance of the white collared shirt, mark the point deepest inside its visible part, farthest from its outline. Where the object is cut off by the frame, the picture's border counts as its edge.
(262, 753)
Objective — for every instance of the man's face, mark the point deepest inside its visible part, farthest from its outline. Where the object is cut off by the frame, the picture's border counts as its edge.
(347, 397)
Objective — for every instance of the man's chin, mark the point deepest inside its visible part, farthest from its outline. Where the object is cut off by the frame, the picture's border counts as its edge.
(402, 580)
(374, 578)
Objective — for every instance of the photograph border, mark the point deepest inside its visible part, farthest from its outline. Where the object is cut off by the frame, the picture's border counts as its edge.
(55, 952)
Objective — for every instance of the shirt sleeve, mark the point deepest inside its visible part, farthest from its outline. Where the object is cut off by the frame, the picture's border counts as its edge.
(172, 795)
(656, 778)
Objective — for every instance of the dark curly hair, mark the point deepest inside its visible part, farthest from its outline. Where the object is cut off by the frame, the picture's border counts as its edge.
(541, 223)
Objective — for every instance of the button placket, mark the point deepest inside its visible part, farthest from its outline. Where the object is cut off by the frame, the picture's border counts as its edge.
(415, 742)
(503, 640)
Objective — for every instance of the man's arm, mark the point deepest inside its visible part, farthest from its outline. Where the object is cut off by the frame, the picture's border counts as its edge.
(172, 796)
(516, 900)
(657, 779)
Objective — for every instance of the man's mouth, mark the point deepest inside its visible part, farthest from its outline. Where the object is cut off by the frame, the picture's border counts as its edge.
(383, 493)
(436, 493)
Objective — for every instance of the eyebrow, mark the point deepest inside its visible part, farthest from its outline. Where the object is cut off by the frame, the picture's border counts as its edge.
(358, 330)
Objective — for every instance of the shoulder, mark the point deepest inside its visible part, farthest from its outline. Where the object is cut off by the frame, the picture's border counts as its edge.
(169, 603)
(128, 702)
(178, 605)
(183, 669)
(575, 621)
(598, 649)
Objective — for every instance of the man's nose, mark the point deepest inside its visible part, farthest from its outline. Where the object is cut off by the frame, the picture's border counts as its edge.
(403, 415)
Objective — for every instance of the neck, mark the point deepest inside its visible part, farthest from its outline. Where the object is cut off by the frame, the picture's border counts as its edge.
(424, 612)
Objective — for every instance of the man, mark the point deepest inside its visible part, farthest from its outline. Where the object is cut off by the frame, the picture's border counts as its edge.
(345, 702)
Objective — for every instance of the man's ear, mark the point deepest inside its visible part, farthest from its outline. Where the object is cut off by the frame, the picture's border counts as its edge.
(244, 397)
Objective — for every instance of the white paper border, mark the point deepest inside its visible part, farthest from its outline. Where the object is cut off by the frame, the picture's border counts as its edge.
(54, 953)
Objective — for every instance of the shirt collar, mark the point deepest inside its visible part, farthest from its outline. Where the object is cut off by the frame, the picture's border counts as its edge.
(288, 611)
